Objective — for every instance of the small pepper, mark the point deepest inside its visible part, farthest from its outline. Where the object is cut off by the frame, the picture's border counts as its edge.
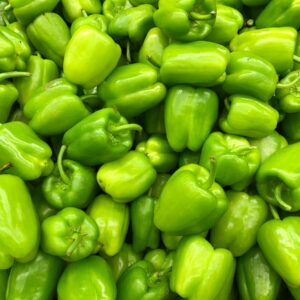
(111, 8)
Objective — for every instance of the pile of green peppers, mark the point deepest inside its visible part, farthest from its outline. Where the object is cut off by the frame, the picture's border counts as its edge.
(149, 149)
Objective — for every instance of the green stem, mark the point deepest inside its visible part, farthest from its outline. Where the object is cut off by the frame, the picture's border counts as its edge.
(150, 59)
(61, 170)
(227, 104)
(296, 58)
(74, 245)
(135, 127)
(278, 198)
(128, 52)
(290, 84)
(274, 212)
(5, 167)
(13, 74)
(8, 7)
(5, 19)
(213, 172)
(84, 13)
(202, 17)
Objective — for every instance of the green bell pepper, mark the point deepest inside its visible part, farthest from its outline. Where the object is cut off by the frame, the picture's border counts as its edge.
(188, 157)
(71, 234)
(112, 220)
(36, 279)
(256, 279)
(158, 185)
(290, 126)
(146, 235)
(132, 89)
(236, 230)
(190, 202)
(86, 279)
(153, 120)
(200, 272)
(249, 117)
(170, 241)
(111, 8)
(6, 15)
(50, 35)
(250, 74)
(3, 282)
(198, 63)
(190, 115)
(20, 228)
(161, 260)
(102, 136)
(187, 20)
(276, 45)
(161, 155)
(278, 178)
(26, 155)
(236, 160)
(89, 71)
(133, 169)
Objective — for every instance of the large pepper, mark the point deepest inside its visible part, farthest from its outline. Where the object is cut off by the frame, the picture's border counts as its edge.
(276, 45)
(70, 234)
(19, 231)
(111, 8)
(112, 220)
(278, 178)
(101, 56)
(36, 279)
(236, 160)
(199, 63)
(134, 169)
(132, 89)
(100, 137)
(256, 279)
(190, 202)
(24, 153)
(190, 115)
(200, 272)
(188, 20)
(87, 279)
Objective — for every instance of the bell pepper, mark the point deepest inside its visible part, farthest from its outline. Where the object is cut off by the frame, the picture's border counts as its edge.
(236, 160)
(236, 230)
(256, 279)
(133, 169)
(20, 228)
(153, 120)
(170, 241)
(6, 15)
(145, 235)
(161, 260)
(112, 220)
(132, 89)
(188, 20)
(111, 8)
(3, 282)
(276, 45)
(26, 11)
(158, 185)
(71, 234)
(278, 178)
(237, 4)
(190, 115)
(132, 23)
(201, 272)
(200, 63)
(249, 117)
(188, 157)
(190, 202)
(243, 71)
(26, 155)
(48, 106)
(87, 279)
(36, 279)
(161, 155)
(19, 29)
(102, 136)
(89, 70)
(42, 71)
(290, 126)
(73, 9)
(50, 35)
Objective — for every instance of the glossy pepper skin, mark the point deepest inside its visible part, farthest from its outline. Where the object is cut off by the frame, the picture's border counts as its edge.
(190, 202)
(275, 44)
(132, 89)
(8, 96)
(102, 136)
(86, 278)
(20, 229)
(236, 160)
(89, 71)
(277, 179)
(201, 272)
(250, 74)
(256, 279)
(70, 234)
(186, 21)
(190, 115)
(133, 169)
(26, 154)
(48, 107)
(112, 220)
(36, 279)
(50, 35)
(200, 63)
(236, 230)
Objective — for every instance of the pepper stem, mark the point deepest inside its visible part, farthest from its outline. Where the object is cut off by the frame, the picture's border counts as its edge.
(290, 84)
(278, 198)
(5, 167)
(151, 60)
(296, 58)
(84, 13)
(5, 19)
(128, 52)
(202, 17)
(61, 170)
(8, 7)
(135, 127)
(13, 74)
(249, 23)
(227, 104)
(213, 172)
(75, 243)
(274, 212)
